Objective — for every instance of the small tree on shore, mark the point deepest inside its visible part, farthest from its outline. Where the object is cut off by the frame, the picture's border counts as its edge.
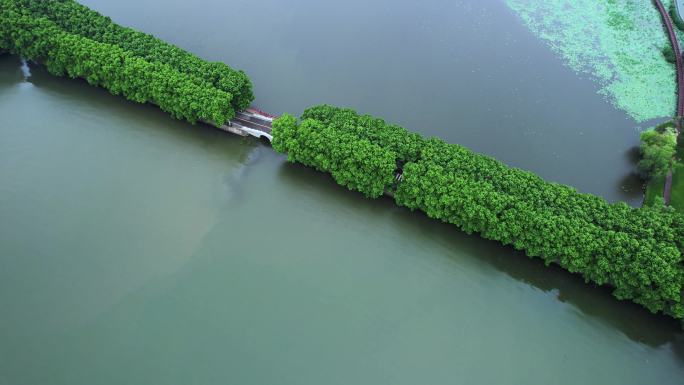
(657, 152)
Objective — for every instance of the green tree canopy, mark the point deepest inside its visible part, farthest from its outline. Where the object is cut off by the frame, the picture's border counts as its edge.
(80, 20)
(657, 152)
(111, 67)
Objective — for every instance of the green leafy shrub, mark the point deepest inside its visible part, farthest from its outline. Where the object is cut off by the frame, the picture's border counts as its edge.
(80, 20)
(657, 152)
(353, 162)
(405, 144)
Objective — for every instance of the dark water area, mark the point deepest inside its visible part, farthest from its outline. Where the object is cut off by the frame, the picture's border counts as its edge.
(138, 249)
(468, 72)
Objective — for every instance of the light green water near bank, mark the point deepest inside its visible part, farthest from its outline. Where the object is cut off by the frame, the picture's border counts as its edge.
(616, 42)
(135, 249)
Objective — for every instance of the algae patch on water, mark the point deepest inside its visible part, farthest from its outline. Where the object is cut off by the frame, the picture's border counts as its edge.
(618, 42)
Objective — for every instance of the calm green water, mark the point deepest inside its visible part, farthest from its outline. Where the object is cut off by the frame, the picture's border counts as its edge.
(135, 249)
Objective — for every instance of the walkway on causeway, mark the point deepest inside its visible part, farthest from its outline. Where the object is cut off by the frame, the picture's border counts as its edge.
(251, 122)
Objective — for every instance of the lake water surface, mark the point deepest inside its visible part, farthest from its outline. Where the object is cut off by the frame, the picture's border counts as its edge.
(136, 249)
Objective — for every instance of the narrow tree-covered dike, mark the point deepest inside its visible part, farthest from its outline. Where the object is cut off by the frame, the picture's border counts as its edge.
(80, 20)
(637, 252)
(156, 72)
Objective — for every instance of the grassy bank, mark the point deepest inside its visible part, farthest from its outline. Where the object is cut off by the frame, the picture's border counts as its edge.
(655, 186)
(654, 189)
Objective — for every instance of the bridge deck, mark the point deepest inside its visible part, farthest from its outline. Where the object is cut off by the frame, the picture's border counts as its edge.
(251, 122)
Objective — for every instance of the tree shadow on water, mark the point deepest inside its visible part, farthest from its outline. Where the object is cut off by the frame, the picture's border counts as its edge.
(632, 320)
(633, 155)
(10, 70)
(631, 186)
(99, 106)
(320, 183)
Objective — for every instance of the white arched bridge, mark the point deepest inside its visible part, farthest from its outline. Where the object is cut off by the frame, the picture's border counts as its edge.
(252, 122)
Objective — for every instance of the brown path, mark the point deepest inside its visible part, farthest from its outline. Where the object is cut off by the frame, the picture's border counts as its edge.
(680, 85)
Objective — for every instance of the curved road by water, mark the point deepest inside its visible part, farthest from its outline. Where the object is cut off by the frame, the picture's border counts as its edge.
(680, 85)
(678, 57)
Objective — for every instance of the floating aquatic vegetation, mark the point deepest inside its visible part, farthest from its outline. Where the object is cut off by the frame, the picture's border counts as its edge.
(618, 42)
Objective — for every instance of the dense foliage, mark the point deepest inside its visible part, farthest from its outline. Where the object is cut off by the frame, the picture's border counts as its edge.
(353, 162)
(405, 144)
(635, 251)
(77, 19)
(657, 149)
(111, 67)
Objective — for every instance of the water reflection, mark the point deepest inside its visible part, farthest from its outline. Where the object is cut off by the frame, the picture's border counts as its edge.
(9, 71)
(77, 97)
(678, 346)
(631, 185)
(630, 319)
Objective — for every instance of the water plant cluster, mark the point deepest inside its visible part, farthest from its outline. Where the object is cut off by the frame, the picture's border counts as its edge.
(636, 251)
(619, 43)
(80, 43)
